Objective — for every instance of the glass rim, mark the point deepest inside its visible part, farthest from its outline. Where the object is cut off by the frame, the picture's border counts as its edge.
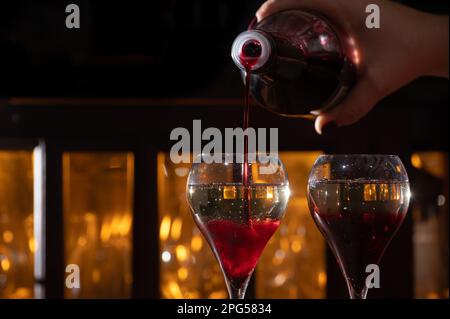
(224, 155)
(399, 176)
(271, 170)
(360, 155)
(234, 153)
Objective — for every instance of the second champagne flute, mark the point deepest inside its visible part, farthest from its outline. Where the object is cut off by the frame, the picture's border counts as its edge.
(358, 203)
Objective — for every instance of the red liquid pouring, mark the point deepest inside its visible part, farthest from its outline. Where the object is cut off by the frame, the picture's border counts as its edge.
(239, 246)
(249, 56)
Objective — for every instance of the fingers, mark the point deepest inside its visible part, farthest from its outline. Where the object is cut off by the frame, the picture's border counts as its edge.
(320, 123)
(271, 6)
(357, 104)
(264, 9)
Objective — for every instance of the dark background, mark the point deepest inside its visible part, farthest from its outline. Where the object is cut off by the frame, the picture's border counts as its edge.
(163, 48)
(159, 50)
(136, 70)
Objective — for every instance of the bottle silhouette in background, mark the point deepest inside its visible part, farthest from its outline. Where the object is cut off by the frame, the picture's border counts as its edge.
(295, 62)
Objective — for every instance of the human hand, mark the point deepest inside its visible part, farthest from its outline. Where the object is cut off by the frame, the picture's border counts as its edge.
(409, 44)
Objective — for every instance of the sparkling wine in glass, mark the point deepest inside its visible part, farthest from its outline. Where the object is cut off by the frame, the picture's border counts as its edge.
(238, 214)
(358, 202)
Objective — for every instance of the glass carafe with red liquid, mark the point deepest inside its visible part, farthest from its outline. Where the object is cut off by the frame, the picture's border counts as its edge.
(296, 62)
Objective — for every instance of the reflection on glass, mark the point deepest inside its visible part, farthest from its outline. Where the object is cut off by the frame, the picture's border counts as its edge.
(188, 267)
(293, 263)
(98, 189)
(16, 224)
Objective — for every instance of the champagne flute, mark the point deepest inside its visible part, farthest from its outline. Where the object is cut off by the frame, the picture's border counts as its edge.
(238, 207)
(358, 202)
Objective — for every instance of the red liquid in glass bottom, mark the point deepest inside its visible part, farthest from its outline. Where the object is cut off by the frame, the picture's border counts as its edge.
(358, 239)
(239, 246)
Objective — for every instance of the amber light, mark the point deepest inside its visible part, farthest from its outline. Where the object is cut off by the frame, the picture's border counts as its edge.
(293, 263)
(16, 224)
(370, 192)
(188, 268)
(229, 192)
(430, 230)
(97, 189)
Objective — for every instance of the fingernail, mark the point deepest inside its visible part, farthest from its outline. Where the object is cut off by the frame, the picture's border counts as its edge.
(329, 127)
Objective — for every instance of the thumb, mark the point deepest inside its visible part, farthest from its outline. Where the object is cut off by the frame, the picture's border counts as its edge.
(361, 99)
(271, 6)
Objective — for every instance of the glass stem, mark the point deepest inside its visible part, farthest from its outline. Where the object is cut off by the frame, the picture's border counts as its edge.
(355, 294)
(237, 293)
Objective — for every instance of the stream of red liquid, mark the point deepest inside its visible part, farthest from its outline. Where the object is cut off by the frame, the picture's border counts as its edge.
(248, 61)
(247, 194)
